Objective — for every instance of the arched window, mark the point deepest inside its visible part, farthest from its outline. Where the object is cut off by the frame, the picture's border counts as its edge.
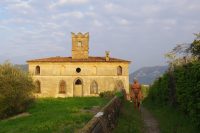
(37, 70)
(119, 70)
(37, 86)
(119, 85)
(94, 88)
(62, 87)
(78, 82)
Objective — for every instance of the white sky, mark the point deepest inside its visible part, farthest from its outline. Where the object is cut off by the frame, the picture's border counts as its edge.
(141, 31)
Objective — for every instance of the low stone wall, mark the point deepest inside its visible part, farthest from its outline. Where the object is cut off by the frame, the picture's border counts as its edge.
(105, 120)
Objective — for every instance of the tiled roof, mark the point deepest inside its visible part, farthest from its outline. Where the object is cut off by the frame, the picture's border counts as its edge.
(69, 59)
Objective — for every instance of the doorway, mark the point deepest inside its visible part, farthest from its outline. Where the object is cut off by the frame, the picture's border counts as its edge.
(78, 88)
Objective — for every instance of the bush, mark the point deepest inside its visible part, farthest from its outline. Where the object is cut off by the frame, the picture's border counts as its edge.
(121, 94)
(16, 90)
(107, 94)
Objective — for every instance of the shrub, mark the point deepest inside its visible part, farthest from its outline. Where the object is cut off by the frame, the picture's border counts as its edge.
(16, 90)
(121, 94)
(107, 94)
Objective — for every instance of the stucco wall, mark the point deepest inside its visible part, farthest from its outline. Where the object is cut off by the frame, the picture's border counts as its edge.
(104, 73)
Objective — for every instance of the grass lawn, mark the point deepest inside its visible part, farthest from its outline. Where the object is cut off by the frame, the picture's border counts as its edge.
(170, 120)
(54, 115)
(130, 120)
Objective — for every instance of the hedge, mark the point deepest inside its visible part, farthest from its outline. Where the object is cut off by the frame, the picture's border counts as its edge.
(187, 90)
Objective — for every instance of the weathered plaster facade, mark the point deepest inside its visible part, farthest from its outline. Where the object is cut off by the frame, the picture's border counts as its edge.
(82, 75)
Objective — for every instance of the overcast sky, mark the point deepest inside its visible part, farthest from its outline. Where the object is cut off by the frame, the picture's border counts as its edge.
(141, 31)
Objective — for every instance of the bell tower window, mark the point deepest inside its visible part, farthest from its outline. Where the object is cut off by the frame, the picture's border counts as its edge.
(79, 44)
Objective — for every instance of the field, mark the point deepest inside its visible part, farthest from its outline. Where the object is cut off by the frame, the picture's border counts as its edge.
(54, 115)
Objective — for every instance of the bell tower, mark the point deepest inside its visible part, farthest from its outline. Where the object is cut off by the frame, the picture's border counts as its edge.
(80, 45)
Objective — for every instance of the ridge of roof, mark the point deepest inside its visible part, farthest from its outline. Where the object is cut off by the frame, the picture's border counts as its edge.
(69, 59)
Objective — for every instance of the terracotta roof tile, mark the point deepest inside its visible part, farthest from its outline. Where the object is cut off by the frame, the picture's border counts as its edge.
(69, 59)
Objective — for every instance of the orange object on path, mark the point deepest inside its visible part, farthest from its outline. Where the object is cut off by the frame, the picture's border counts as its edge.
(136, 93)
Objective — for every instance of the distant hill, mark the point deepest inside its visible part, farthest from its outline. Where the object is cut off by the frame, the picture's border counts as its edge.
(147, 75)
(23, 67)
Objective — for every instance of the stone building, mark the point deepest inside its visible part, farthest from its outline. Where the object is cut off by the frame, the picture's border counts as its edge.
(79, 75)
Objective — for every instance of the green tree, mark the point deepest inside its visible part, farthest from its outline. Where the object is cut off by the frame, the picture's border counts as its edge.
(16, 90)
(184, 53)
(195, 46)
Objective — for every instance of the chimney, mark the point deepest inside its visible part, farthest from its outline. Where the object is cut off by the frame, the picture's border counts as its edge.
(107, 55)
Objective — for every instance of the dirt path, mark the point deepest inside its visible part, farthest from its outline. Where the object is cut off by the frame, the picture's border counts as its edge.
(150, 123)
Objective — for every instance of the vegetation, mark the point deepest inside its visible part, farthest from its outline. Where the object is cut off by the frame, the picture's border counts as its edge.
(23, 67)
(195, 46)
(145, 90)
(16, 89)
(184, 53)
(178, 91)
(170, 120)
(159, 92)
(130, 120)
(186, 91)
(107, 94)
(54, 115)
(110, 94)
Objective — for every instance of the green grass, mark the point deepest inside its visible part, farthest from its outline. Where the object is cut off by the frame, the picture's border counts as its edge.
(54, 115)
(171, 120)
(130, 120)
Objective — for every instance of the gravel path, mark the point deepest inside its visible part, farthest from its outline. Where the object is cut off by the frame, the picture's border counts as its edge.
(150, 123)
